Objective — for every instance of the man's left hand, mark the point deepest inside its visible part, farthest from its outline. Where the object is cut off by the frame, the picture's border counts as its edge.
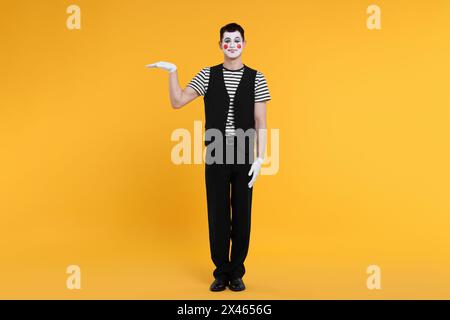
(255, 169)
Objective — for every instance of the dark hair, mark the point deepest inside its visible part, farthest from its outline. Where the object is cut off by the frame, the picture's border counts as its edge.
(231, 27)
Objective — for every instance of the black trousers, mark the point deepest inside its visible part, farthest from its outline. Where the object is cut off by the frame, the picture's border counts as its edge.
(229, 202)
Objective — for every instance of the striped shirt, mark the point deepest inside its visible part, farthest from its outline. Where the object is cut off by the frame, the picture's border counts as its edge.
(232, 78)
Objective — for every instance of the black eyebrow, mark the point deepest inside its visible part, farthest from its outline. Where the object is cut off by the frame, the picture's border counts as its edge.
(228, 38)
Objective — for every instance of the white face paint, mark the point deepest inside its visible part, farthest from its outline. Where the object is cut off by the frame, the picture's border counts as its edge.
(232, 44)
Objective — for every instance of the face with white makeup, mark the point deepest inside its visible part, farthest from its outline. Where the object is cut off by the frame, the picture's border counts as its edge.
(232, 44)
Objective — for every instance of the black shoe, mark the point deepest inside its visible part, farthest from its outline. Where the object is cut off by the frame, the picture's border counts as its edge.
(237, 284)
(218, 285)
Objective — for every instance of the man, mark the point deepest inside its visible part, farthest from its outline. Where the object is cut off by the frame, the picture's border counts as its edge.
(235, 98)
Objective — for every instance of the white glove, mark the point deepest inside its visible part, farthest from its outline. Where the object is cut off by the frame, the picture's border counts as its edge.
(256, 167)
(163, 65)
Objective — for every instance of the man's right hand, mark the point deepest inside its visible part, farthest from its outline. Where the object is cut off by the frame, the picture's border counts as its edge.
(163, 65)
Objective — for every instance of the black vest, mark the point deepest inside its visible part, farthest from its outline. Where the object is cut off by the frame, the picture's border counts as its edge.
(217, 101)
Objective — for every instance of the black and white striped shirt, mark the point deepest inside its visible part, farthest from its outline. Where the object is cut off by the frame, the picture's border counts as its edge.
(232, 78)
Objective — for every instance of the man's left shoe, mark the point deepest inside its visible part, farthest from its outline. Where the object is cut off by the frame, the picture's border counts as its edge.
(236, 284)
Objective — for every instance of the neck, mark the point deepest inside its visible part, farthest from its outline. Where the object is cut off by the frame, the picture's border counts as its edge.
(233, 64)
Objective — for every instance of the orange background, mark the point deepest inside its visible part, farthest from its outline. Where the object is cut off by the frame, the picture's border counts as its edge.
(85, 170)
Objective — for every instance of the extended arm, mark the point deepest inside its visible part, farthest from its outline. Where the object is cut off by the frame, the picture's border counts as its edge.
(178, 96)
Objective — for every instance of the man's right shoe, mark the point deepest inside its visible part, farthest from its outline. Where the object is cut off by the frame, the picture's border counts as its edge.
(218, 285)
